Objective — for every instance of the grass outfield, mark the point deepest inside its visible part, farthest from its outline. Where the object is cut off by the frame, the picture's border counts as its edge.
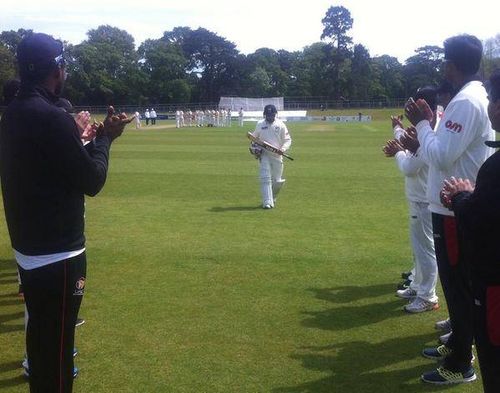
(192, 287)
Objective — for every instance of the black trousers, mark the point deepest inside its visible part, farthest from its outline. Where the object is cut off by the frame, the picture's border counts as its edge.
(53, 295)
(487, 331)
(455, 280)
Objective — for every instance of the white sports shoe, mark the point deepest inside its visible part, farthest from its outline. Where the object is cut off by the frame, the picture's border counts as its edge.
(421, 305)
(267, 207)
(407, 293)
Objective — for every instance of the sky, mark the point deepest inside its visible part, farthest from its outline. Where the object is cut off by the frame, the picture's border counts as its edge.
(391, 27)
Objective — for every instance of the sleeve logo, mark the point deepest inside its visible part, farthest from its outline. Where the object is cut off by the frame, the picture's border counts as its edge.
(453, 127)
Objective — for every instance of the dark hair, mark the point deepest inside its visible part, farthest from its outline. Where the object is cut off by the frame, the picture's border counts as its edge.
(465, 51)
(10, 90)
(445, 88)
(493, 86)
(270, 109)
(429, 94)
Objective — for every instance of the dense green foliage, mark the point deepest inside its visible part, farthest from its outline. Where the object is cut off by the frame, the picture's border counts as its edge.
(187, 65)
(192, 287)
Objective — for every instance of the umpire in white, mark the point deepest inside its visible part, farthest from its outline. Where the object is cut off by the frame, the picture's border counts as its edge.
(274, 132)
(45, 172)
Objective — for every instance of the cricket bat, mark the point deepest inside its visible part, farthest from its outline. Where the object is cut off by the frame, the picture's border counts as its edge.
(267, 146)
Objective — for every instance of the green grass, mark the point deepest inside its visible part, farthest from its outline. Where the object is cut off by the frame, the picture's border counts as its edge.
(192, 287)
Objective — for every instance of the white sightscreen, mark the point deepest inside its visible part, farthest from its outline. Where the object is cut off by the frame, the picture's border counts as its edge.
(250, 104)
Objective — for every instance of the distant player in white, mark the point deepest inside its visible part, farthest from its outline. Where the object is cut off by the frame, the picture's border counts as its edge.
(153, 116)
(422, 290)
(181, 113)
(228, 119)
(147, 116)
(137, 120)
(189, 116)
(273, 131)
(240, 117)
(177, 119)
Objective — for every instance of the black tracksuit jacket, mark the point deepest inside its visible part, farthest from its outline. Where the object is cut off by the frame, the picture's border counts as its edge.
(45, 172)
(478, 218)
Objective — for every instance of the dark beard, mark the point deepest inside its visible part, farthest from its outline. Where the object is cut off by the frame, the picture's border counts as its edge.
(59, 89)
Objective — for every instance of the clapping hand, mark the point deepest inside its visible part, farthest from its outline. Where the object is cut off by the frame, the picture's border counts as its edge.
(114, 124)
(453, 186)
(418, 111)
(392, 147)
(85, 128)
(409, 140)
(396, 121)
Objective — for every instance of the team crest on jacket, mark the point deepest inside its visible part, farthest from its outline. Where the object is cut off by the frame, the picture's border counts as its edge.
(79, 286)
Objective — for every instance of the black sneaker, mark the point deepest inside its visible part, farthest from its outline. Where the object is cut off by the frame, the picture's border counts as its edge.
(438, 353)
(443, 376)
(79, 322)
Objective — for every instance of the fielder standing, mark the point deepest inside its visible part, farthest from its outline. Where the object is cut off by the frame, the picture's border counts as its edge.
(477, 209)
(456, 149)
(274, 132)
(45, 172)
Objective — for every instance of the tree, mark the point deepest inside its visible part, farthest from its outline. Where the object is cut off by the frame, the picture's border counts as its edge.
(423, 69)
(210, 57)
(7, 68)
(11, 38)
(387, 78)
(106, 68)
(337, 22)
(491, 56)
(163, 62)
(269, 60)
(361, 73)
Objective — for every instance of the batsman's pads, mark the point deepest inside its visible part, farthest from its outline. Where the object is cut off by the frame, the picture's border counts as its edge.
(267, 146)
(255, 150)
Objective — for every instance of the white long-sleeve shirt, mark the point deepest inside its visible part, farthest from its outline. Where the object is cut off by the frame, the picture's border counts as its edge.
(457, 147)
(274, 133)
(415, 171)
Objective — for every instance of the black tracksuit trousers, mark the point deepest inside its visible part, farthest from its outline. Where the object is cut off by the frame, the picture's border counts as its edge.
(53, 294)
(455, 280)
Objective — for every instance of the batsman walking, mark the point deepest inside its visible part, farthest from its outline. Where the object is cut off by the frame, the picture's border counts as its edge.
(274, 132)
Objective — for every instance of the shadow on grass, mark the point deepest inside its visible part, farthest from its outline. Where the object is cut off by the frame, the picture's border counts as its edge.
(11, 317)
(10, 302)
(9, 382)
(219, 209)
(361, 366)
(8, 264)
(347, 294)
(8, 281)
(353, 315)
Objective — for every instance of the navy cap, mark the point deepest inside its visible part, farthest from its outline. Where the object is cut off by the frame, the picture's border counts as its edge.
(270, 110)
(37, 53)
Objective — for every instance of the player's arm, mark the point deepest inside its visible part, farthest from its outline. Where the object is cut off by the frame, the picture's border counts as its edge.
(408, 164)
(285, 138)
(453, 136)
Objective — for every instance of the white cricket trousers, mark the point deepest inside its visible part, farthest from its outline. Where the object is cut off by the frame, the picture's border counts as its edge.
(422, 241)
(271, 170)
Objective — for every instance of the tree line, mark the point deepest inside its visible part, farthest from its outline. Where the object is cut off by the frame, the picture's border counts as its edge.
(187, 65)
